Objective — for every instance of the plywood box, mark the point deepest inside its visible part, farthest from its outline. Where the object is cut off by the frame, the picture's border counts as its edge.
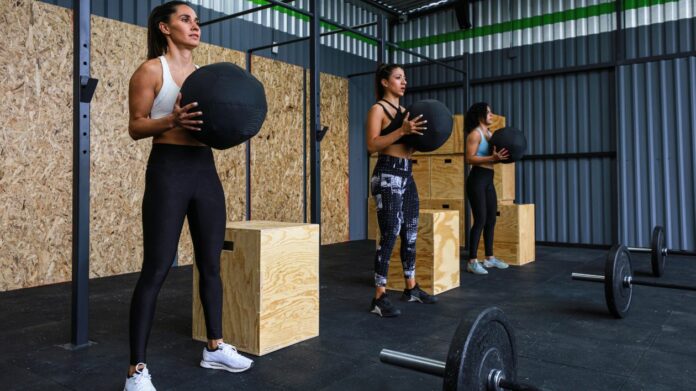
(421, 175)
(498, 122)
(372, 226)
(514, 238)
(437, 253)
(458, 136)
(504, 182)
(270, 280)
(447, 176)
(373, 163)
(452, 204)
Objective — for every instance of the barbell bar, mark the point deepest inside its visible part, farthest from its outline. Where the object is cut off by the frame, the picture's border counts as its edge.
(658, 251)
(481, 357)
(618, 281)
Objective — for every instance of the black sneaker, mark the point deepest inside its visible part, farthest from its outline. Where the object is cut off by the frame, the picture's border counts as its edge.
(383, 307)
(418, 295)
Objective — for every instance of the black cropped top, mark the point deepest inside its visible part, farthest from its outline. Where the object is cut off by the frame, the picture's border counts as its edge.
(396, 121)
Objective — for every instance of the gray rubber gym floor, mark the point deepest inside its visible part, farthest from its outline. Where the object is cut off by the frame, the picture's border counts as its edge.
(566, 338)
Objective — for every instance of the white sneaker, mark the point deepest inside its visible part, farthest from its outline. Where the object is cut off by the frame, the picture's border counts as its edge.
(495, 262)
(225, 358)
(476, 268)
(140, 381)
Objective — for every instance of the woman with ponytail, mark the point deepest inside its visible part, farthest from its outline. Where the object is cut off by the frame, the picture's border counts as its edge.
(181, 181)
(392, 186)
(479, 185)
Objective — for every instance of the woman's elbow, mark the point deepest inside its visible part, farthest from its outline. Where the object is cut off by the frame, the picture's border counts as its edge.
(372, 149)
(133, 133)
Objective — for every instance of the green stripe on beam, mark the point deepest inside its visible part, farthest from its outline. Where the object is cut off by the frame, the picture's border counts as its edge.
(513, 25)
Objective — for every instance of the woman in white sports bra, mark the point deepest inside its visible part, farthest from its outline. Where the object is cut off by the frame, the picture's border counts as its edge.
(181, 181)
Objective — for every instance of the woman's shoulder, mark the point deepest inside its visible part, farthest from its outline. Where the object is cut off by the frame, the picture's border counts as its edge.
(151, 67)
(474, 134)
(376, 108)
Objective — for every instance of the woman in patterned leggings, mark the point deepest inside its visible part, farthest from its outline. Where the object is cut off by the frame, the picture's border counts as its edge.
(393, 187)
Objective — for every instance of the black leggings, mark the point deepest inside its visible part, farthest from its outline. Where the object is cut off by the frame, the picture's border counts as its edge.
(484, 206)
(181, 181)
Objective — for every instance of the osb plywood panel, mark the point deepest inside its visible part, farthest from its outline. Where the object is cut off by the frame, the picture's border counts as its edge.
(119, 163)
(230, 163)
(36, 174)
(276, 152)
(334, 159)
(35, 144)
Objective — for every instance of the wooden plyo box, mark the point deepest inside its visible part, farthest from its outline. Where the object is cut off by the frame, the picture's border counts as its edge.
(421, 175)
(514, 238)
(270, 281)
(504, 182)
(452, 204)
(447, 176)
(437, 253)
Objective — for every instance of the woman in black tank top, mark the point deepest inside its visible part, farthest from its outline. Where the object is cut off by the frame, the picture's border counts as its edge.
(393, 188)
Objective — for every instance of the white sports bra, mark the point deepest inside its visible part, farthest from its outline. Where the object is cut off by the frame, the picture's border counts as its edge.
(165, 99)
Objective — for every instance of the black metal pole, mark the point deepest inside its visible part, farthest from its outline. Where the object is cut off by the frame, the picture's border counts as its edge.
(663, 285)
(410, 361)
(290, 7)
(314, 113)
(416, 54)
(382, 25)
(238, 14)
(618, 57)
(631, 281)
(467, 209)
(302, 39)
(247, 159)
(81, 157)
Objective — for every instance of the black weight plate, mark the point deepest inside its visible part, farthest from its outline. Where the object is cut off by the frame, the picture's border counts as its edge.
(658, 256)
(617, 268)
(488, 344)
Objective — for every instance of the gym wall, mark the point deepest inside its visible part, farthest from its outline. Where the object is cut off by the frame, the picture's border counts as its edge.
(638, 171)
(36, 176)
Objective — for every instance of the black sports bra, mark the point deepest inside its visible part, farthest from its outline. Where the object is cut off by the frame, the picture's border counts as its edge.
(396, 121)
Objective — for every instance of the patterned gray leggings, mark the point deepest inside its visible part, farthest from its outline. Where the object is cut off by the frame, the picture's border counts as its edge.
(396, 197)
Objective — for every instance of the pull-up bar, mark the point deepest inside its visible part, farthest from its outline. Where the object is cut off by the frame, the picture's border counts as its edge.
(288, 42)
(238, 14)
(341, 28)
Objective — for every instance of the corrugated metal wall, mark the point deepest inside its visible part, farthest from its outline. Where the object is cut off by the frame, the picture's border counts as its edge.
(658, 37)
(598, 200)
(361, 98)
(657, 145)
(575, 199)
(254, 29)
(500, 24)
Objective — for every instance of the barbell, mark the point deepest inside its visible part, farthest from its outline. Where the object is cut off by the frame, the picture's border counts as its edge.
(482, 357)
(618, 281)
(658, 251)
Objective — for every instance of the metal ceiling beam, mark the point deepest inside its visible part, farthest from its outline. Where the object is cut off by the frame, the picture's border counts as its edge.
(431, 10)
(381, 7)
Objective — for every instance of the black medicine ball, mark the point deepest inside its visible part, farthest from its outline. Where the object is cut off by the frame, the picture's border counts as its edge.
(511, 139)
(232, 100)
(439, 125)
